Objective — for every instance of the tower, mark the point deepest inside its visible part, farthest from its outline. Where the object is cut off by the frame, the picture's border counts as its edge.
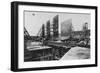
(55, 27)
(48, 30)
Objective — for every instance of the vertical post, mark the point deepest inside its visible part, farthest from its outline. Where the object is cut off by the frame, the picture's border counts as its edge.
(55, 27)
(48, 30)
(43, 34)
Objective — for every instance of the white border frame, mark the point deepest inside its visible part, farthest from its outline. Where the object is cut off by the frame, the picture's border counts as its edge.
(22, 64)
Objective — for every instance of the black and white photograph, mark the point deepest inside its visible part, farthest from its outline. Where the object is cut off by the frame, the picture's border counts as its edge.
(56, 36)
(53, 36)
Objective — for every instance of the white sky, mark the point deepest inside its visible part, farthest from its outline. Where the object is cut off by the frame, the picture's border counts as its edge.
(34, 20)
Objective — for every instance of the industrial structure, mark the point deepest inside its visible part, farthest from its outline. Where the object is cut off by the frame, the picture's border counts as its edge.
(58, 43)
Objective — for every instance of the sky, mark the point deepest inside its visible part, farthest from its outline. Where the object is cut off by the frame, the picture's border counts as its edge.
(34, 20)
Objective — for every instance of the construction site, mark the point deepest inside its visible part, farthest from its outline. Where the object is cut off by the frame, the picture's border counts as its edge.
(50, 45)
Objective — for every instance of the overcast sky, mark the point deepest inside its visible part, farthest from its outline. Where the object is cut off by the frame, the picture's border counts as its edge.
(34, 20)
